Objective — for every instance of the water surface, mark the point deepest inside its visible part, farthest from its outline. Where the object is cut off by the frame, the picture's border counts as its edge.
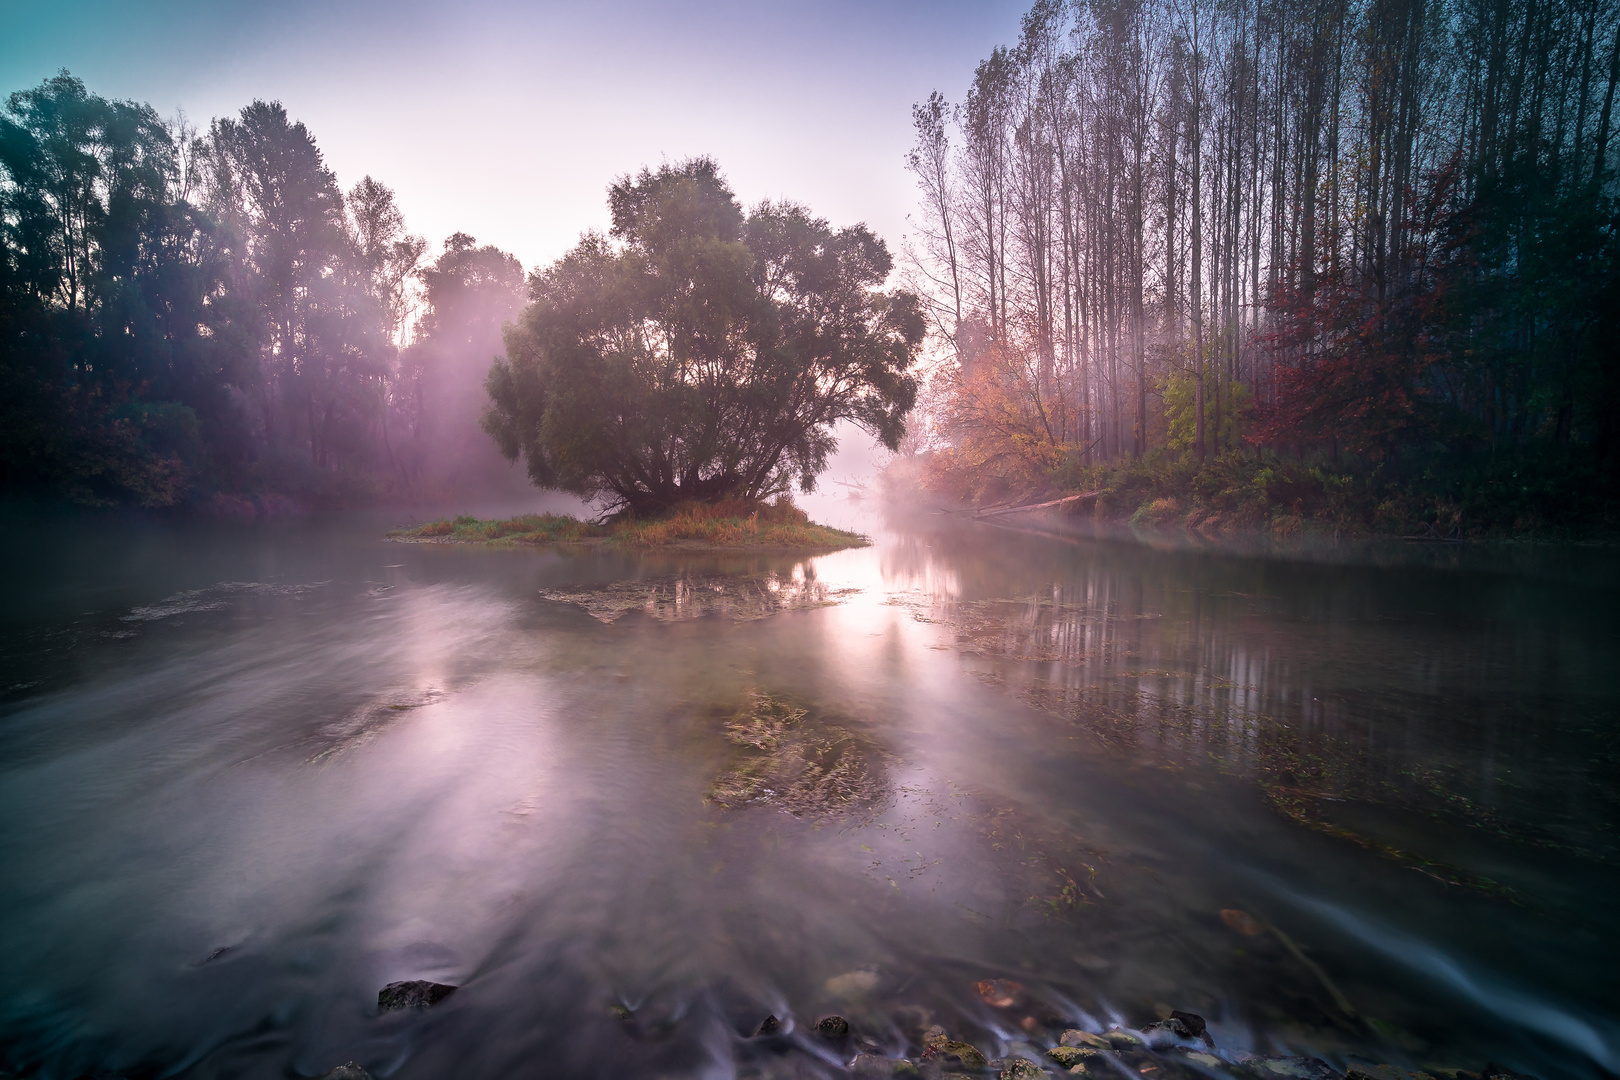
(1364, 803)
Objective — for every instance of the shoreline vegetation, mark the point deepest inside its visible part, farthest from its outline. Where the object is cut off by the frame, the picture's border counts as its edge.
(1256, 493)
(1376, 319)
(725, 526)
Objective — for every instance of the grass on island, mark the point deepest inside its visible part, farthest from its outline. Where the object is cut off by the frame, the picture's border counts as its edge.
(730, 524)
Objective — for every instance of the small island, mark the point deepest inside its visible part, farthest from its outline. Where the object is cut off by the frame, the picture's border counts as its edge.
(725, 526)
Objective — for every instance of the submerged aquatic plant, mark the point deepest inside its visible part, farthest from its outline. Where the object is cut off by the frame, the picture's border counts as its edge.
(788, 760)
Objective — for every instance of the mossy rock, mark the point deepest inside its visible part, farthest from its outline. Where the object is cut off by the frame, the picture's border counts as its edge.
(948, 1052)
(878, 1067)
(1076, 1037)
(1070, 1056)
(1120, 1039)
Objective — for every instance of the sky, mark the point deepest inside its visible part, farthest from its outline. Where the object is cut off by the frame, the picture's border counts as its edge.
(508, 121)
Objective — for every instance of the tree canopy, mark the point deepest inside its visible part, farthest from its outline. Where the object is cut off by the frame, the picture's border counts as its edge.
(701, 352)
(1387, 228)
(186, 314)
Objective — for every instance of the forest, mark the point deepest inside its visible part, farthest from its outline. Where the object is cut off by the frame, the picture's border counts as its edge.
(204, 318)
(1357, 255)
(1352, 261)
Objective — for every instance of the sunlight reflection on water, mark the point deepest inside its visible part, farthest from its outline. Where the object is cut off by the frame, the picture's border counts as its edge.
(238, 810)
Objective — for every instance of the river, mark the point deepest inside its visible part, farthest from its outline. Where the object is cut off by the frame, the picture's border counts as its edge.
(1353, 802)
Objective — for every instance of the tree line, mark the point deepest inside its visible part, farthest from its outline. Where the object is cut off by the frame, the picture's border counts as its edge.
(185, 313)
(1365, 227)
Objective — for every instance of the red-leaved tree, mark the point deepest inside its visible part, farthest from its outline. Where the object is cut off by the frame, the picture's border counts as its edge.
(1355, 354)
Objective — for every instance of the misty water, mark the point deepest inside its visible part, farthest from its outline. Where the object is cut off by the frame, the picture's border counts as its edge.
(1362, 802)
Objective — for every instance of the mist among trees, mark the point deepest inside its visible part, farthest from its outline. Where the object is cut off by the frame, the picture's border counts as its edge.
(1376, 239)
(185, 313)
(1373, 230)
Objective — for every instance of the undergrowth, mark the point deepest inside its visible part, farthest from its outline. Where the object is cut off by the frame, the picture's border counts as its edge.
(1562, 494)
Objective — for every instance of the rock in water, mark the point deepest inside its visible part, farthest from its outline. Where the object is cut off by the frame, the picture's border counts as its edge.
(853, 983)
(350, 1071)
(1076, 1037)
(878, 1067)
(833, 1027)
(1002, 993)
(1070, 1056)
(1182, 1025)
(1195, 1024)
(950, 1053)
(1171, 1026)
(1022, 1069)
(1496, 1072)
(1358, 1070)
(1289, 1068)
(415, 994)
(768, 1026)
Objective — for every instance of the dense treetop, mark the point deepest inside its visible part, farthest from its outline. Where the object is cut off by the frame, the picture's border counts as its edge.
(1379, 230)
(186, 313)
(702, 352)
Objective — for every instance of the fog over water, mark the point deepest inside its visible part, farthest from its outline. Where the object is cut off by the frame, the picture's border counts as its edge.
(253, 774)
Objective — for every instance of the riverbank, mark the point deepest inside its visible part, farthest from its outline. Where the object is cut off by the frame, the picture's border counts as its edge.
(1551, 496)
(779, 526)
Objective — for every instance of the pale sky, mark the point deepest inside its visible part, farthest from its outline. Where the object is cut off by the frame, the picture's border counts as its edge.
(508, 121)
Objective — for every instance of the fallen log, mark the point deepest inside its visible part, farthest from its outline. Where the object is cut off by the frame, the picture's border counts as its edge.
(1037, 506)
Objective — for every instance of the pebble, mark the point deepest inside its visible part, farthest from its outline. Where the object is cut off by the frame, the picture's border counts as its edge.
(853, 983)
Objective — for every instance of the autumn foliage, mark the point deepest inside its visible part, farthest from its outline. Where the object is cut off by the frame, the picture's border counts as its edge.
(1355, 355)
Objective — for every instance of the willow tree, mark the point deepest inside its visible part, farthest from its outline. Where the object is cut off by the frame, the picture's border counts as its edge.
(699, 352)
